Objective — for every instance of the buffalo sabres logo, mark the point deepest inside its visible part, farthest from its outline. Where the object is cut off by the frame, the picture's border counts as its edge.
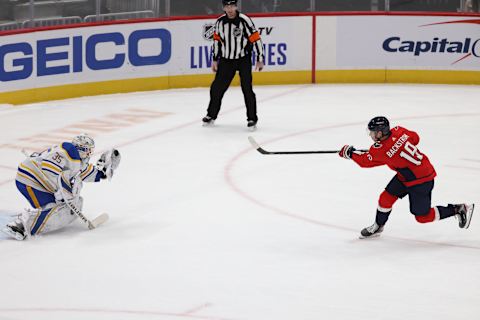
(208, 31)
(237, 32)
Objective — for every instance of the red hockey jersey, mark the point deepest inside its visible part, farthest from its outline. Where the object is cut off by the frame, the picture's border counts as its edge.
(400, 153)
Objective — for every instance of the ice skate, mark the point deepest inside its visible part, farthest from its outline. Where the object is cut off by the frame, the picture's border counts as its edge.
(16, 230)
(464, 214)
(371, 232)
(252, 125)
(208, 121)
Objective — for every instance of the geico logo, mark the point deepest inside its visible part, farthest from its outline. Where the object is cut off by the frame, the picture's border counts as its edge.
(72, 54)
(395, 44)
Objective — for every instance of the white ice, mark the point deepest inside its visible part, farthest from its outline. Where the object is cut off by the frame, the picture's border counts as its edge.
(204, 227)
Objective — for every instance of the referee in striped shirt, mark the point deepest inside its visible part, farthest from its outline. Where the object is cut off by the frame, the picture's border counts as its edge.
(234, 38)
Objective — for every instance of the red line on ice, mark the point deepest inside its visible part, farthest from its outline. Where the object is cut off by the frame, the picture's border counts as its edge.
(111, 311)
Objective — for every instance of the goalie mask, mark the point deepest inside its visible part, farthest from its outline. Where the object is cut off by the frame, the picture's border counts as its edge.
(85, 145)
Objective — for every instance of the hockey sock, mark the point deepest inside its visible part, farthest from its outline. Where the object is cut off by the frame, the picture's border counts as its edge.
(385, 204)
(446, 212)
(386, 201)
(382, 217)
(431, 216)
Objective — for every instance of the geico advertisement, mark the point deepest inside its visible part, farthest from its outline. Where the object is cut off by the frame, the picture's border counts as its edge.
(87, 54)
(449, 43)
(136, 50)
(286, 41)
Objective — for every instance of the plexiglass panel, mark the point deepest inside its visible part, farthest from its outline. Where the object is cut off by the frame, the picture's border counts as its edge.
(15, 14)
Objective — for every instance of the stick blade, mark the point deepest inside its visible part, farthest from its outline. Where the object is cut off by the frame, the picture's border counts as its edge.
(101, 219)
(253, 142)
(256, 145)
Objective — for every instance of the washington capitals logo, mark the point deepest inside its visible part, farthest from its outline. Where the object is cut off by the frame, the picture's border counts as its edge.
(468, 46)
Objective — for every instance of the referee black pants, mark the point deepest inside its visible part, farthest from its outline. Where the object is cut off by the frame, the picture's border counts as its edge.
(224, 76)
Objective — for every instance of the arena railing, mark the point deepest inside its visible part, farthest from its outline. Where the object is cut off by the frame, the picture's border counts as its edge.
(7, 26)
(120, 16)
(48, 22)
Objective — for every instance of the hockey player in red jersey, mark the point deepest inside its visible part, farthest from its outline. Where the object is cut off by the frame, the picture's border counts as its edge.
(397, 148)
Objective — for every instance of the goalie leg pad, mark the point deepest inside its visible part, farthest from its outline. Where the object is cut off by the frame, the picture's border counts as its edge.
(50, 219)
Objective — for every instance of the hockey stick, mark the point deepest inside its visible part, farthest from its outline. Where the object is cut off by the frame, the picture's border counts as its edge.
(263, 151)
(92, 224)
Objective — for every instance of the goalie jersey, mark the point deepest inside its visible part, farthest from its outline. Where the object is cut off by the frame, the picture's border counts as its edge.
(58, 165)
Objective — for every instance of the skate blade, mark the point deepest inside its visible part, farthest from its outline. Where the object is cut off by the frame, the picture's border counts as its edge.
(251, 129)
(13, 234)
(376, 235)
(208, 124)
(469, 216)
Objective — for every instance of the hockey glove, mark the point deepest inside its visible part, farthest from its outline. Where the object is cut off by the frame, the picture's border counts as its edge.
(346, 152)
(109, 162)
(68, 189)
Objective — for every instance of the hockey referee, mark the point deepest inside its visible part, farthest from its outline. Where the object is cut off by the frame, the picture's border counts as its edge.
(234, 38)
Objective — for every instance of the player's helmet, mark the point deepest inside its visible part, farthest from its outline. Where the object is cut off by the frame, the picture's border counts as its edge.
(84, 144)
(227, 2)
(379, 124)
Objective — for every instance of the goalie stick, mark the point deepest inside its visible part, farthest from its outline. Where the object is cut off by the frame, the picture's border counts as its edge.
(92, 224)
(263, 151)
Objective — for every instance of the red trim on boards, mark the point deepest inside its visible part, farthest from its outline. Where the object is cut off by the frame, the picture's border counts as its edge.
(314, 48)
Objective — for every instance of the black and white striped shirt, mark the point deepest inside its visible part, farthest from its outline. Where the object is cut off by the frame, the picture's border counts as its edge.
(235, 38)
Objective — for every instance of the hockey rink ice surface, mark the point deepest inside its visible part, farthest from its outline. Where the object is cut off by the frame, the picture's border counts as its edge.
(204, 227)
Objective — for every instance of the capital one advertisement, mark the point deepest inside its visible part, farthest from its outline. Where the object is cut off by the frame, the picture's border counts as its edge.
(403, 42)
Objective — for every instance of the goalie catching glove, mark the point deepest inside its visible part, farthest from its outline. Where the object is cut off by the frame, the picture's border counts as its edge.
(108, 163)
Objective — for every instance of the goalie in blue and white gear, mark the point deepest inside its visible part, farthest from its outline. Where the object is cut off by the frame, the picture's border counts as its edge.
(52, 180)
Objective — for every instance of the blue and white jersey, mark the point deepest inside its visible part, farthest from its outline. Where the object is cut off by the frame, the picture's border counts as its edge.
(54, 166)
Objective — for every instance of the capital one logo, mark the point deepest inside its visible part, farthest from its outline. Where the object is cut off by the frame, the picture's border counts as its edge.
(469, 47)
